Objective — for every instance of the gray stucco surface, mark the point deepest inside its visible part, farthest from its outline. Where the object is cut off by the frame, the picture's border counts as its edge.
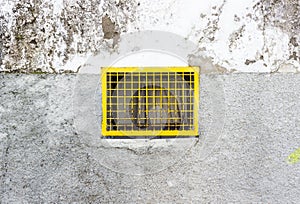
(51, 150)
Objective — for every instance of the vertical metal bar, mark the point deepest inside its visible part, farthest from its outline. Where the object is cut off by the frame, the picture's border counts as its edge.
(154, 98)
(139, 99)
(132, 100)
(146, 115)
(161, 99)
(117, 105)
(191, 102)
(124, 91)
(196, 100)
(104, 100)
(110, 100)
(174, 107)
(183, 115)
(168, 107)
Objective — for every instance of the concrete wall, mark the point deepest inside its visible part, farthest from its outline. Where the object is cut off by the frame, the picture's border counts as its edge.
(51, 150)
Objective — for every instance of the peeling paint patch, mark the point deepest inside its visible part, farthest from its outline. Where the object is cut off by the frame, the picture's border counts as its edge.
(235, 36)
(294, 157)
(110, 30)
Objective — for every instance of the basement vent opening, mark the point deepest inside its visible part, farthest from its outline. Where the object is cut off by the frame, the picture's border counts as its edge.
(159, 101)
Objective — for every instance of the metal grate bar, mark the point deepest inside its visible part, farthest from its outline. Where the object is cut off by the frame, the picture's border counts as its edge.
(142, 101)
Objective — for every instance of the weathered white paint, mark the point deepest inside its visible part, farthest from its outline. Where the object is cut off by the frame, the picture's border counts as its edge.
(243, 36)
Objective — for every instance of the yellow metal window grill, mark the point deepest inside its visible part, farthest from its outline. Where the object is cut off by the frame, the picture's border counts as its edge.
(140, 101)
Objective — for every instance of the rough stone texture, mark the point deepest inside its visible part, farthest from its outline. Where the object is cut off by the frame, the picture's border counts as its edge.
(46, 156)
(59, 36)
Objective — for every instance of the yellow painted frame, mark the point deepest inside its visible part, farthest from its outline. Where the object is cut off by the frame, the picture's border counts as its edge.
(146, 133)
